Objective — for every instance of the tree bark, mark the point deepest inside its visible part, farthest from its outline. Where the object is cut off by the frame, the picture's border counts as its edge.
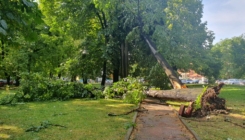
(124, 60)
(8, 78)
(187, 94)
(163, 62)
(104, 74)
(115, 75)
(17, 81)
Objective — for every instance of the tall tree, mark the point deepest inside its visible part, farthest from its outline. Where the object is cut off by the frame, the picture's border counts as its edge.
(174, 32)
(17, 19)
(172, 29)
(230, 54)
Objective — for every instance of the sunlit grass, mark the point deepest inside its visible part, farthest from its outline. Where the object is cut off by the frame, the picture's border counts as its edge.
(83, 119)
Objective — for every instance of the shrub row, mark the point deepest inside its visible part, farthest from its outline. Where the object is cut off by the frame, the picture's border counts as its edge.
(130, 89)
(35, 87)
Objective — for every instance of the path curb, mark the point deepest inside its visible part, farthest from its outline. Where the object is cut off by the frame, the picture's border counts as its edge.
(130, 130)
(186, 126)
(193, 132)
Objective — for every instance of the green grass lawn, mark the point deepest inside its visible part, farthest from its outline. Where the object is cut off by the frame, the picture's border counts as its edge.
(221, 126)
(88, 119)
(83, 119)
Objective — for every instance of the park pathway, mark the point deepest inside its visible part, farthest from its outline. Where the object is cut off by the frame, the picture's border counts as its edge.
(159, 122)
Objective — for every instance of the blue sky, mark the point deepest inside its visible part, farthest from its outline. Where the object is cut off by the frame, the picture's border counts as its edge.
(224, 17)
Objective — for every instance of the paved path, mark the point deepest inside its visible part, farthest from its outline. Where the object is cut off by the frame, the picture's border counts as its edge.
(160, 122)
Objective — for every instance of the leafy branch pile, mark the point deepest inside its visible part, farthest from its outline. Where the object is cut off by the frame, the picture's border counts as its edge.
(130, 89)
(43, 125)
(34, 87)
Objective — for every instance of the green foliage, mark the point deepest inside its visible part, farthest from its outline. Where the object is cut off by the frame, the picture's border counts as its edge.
(129, 88)
(35, 87)
(230, 54)
(198, 101)
(158, 78)
(8, 99)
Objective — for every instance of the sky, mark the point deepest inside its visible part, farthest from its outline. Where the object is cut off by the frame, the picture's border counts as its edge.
(224, 17)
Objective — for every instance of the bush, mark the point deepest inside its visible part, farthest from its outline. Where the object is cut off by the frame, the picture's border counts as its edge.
(8, 99)
(157, 78)
(35, 87)
(130, 89)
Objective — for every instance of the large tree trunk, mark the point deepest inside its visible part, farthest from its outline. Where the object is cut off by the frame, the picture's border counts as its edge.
(104, 74)
(163, 62)
(187, 94)
(8, 78)
(17, 81)
(116, 65)
(115, 75)
(124, 60)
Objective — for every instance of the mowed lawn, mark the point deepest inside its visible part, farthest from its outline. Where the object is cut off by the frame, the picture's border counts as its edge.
(82, 120)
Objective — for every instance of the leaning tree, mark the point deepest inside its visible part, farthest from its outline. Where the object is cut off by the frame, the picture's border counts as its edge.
(172, 29)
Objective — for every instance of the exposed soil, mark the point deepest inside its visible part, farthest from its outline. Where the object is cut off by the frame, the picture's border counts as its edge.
(159, 122)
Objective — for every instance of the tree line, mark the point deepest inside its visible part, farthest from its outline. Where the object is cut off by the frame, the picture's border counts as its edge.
(97, 38)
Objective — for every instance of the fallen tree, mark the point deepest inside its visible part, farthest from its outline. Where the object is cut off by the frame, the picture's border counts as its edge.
(187, 94)
(208, 100)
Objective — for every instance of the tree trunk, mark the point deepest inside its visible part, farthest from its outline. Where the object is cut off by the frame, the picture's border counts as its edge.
(50, 75)
(73, 78)
(115, 75)
(59, 75)
(124, 60)
(17, 81)
(187, 94)
(8, 78)
(163, 62)
(116, 65)
(85, 80)
(104, 74)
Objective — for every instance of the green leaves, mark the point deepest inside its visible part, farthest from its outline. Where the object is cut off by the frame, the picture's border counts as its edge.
(27, 3)
(3, 31)
(10, 15)
(230, 54)
(3, 26)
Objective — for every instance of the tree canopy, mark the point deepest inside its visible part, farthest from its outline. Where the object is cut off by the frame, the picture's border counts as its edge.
(230, 53)
(49, 37)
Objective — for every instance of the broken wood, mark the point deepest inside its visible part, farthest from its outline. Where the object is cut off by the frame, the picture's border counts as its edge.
(187, 94)
(171, 74)
(186, 111)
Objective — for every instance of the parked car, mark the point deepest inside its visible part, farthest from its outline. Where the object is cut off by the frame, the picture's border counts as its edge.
(186, 81)
(220, 81)
(195, 81)
(203, 81)
(232, 82)
(3, 82)
(109, 81)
